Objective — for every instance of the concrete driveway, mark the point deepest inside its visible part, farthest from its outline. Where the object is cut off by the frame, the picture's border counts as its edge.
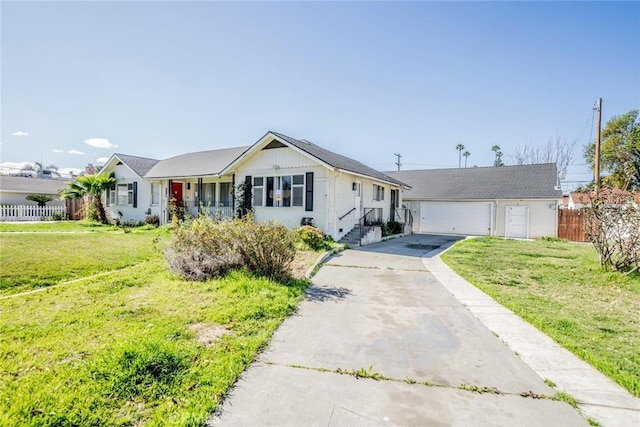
(377, 311)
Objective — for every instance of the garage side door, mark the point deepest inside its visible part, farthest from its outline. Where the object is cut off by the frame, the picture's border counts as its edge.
(471, 218)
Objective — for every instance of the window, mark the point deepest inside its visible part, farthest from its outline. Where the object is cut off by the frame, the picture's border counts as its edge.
(208, 196)
(155, 194)
(378, 192)
(225, 194)
(111, 197)
(125, 194)
(258, 191)
(298, 190)
(279, 191)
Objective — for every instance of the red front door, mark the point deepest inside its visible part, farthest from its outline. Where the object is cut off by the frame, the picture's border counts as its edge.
(176, 192)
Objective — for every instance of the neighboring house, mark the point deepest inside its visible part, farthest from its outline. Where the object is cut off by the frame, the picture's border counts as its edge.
(15, 189)
(579, 200)
(293, 181)
(131, 197)
(511, 201)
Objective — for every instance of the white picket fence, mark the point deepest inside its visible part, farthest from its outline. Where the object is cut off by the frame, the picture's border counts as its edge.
(31, 212)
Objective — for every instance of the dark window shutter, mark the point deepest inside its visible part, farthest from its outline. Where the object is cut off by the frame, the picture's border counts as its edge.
(269, 191)
(135, 194)
(308, 206)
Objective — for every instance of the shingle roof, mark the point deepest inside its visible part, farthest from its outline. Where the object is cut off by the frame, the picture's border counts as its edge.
(200, 163)
(505, 182)
(337, 160)
(18, 184)
(140, 165)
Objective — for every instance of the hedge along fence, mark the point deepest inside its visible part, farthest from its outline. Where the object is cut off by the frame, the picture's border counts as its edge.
(32, 213)
(204, 248)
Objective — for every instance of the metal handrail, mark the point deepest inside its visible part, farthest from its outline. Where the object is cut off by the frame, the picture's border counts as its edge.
(342, 217)
(372, 216)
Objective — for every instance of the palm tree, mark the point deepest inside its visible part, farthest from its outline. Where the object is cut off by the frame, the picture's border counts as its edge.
(466, 154)
(40, 199)
(92, 185)
(498, 159)
(40, 170)
(459, 147)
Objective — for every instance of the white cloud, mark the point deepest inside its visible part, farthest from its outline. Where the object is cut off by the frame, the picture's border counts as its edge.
(20, 133)
(99, 143)
(74, 151)
(13, 167)
(55, 150)
(102, 159)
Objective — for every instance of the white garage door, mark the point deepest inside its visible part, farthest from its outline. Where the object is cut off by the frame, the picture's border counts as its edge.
(471, 218)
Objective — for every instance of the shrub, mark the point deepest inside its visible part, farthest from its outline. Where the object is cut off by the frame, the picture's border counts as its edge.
(152, 220)
(202, 249)
(205, 248)
(391, 227)
(312, 238)
(92, 212)
(58, 216)
(266, 248)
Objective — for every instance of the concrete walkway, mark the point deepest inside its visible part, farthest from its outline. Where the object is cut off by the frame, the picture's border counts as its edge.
(378, 312)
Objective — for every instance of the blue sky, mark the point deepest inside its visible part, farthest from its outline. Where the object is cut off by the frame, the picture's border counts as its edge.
(365, 79)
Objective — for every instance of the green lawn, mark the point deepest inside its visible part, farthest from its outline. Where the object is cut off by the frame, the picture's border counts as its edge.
(38, 259)
(57, 227)
(560, 288)
(133, 346)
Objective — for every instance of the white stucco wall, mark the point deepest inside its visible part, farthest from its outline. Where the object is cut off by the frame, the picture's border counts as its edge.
(543, 220)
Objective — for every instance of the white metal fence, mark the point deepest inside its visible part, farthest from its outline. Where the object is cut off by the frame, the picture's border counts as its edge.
(32, 213)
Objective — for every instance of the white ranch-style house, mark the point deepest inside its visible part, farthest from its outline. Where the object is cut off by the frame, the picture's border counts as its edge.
(292, 181)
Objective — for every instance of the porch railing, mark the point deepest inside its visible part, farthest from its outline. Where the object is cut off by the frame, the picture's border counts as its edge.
(218, 212)
(32, 213)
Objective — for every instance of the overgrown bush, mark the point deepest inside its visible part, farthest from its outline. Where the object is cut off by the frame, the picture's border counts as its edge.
(391, 227)
(202, 249)
(152, 220)
(312, 238)
(205, 248)
(612, 222)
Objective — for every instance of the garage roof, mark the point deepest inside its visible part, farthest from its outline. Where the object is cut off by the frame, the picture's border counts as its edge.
(488, 183)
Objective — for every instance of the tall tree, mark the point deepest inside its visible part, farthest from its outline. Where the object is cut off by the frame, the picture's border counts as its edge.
(498, 160)
(557, 151)
(459, 147)
(619, 152)
(92, 185)
(466, 154)
(41, 171)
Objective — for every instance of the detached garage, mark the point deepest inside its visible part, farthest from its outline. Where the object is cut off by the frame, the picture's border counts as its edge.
(512, 201)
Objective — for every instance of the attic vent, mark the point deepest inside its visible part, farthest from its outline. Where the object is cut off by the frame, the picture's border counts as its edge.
(119, 163)
(305, 141)
(274, 144)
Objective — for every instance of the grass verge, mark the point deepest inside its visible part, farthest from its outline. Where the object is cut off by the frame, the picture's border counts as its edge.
(560, 288)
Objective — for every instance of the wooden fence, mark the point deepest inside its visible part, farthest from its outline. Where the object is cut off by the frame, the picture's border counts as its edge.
(32, 213)
(571, 225)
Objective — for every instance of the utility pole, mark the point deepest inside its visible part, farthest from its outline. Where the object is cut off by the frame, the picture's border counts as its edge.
(596, 164)
(398, 162)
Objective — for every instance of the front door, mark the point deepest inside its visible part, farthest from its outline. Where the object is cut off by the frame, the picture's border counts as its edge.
(357, 200)
(176, 192)
(517, 222)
